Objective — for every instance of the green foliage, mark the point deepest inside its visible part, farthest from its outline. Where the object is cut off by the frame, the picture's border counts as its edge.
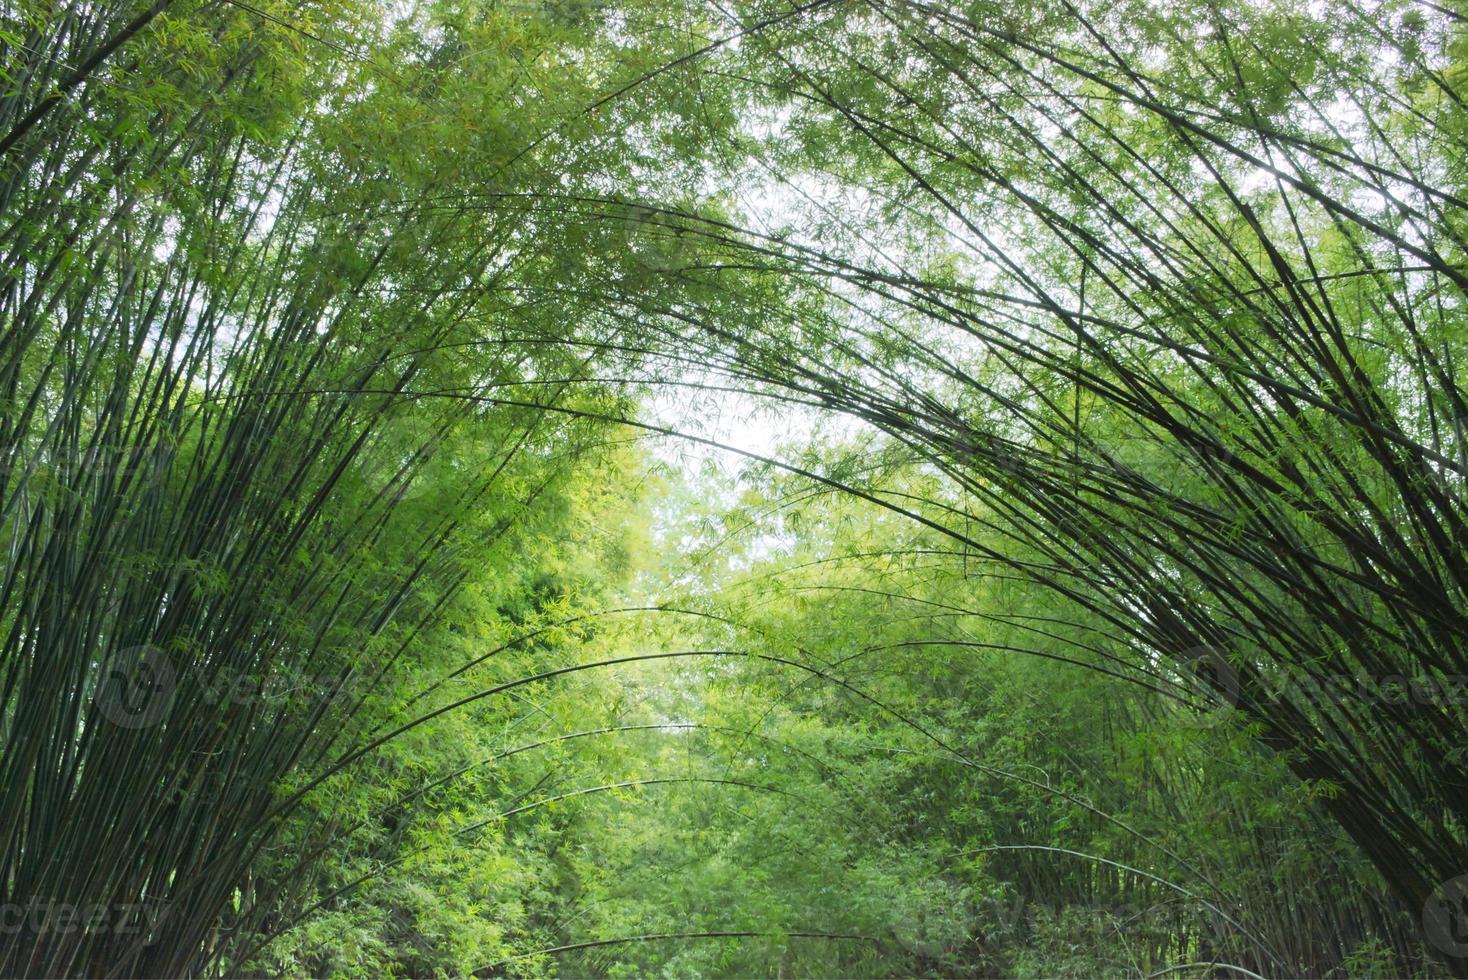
(357, 612)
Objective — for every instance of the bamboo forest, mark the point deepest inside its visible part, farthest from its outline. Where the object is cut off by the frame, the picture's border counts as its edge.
(734, 488)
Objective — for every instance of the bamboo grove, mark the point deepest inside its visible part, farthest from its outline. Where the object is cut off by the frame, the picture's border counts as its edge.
(385, 590)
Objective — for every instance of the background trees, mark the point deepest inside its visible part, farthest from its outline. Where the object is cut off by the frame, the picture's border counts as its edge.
(1166, 294)
(244, 499)
(330, 338)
